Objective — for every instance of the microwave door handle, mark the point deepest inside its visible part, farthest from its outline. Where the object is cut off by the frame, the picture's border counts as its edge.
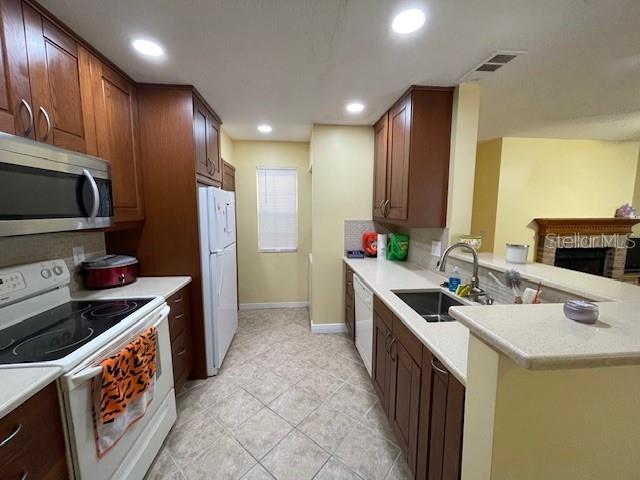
(96, 194)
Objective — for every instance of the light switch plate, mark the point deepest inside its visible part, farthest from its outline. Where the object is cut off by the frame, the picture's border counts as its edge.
(436, 248)
(78, 255)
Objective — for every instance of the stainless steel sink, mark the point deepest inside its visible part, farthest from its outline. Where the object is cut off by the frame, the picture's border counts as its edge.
(432, 306)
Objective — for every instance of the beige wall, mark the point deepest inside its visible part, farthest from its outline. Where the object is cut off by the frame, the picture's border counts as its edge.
(574, 424)
(485, 192)
(270, 277)
(557, 178)
(342, 190)
(227, 150)
(464, 139)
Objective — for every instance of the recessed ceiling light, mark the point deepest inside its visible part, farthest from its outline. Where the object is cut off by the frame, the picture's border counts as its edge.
(408, 21)
(355, 107)
(264, 128)
(147, 47)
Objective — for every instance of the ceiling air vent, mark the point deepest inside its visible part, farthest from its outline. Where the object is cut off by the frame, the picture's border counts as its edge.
(490, 65)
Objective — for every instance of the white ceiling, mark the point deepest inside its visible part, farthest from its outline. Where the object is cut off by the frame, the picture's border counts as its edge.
(293, 63)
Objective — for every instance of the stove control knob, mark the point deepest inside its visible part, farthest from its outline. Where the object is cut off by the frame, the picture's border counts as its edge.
(46, 273)
(57, 270)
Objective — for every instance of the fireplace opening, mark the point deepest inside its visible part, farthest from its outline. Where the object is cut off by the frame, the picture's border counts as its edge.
(587, 260)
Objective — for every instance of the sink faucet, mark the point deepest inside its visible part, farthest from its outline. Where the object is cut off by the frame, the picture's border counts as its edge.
(442, 263)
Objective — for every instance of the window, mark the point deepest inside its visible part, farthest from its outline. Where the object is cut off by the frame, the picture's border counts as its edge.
(277, 209)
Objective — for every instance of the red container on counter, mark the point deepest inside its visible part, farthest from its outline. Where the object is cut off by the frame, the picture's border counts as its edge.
(370, 243)
(110, 271)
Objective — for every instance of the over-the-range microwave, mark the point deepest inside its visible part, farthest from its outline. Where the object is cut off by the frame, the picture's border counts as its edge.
(49, 189)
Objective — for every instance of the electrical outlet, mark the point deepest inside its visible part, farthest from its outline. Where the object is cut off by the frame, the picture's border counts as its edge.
(436, 248)
(78, 255)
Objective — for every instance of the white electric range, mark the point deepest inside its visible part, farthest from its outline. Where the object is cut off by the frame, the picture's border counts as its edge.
(41, 325)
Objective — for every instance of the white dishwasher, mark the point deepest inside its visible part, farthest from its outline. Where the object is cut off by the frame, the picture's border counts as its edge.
(364, 321)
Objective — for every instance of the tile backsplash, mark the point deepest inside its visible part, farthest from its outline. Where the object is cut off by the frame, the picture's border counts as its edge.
(49, 246)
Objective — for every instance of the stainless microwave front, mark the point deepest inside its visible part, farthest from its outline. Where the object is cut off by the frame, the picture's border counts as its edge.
(48, 189)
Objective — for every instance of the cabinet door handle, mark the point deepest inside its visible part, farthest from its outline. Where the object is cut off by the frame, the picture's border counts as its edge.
(182, 352)
(15, 432)
(438, 369)
(48, 120)
(380, 206)
(26, 105)
(386, 338)
(24, 476)
(385, 209)
(393, 357)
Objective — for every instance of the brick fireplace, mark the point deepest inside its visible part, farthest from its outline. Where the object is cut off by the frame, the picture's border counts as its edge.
(592, 245)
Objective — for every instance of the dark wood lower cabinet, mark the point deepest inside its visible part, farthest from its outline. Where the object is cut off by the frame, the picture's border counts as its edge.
(180, 331)
(404, 390)
(423, 401)
(349, 304)
(32, 441)
(381, 360)
(441, 422)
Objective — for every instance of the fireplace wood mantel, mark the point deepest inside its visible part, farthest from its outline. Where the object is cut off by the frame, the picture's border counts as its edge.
(585, 226)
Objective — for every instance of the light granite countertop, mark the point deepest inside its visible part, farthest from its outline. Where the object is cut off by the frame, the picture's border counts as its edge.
(142, 287)
(582, 284)
(21, 383)
(449, 341)
(540, 337)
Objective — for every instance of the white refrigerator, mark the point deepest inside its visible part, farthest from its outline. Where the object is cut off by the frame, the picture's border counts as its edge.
(216, 210)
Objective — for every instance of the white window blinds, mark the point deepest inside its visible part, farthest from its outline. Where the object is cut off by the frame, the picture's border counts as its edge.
(277, 209)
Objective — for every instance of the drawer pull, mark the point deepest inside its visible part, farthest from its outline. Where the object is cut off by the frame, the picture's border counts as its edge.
(182, 352)
(11, 435)
(24, 476)
(178, 300)
(437, 368)
(179, 316)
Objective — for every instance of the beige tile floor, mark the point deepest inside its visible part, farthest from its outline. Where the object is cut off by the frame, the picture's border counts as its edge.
(288, 405)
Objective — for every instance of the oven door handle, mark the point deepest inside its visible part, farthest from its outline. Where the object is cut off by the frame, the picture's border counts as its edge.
(96, 194)
(93, 371)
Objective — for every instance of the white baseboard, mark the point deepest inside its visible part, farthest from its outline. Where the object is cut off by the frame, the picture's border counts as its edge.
(329, 328)
(258, 306)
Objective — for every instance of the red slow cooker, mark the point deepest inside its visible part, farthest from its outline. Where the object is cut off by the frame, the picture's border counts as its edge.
(110, 271)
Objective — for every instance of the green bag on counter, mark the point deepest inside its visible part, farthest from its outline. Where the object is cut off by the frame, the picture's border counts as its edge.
(398, 247)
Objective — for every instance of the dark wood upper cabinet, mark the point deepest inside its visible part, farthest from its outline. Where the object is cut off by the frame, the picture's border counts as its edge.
(398, 160)
(381, 134)
(213, 148)
(228, 177)
(441, 422)
(15, 90)
(206, 130)
(57, 74)
(117, 132)
(412, 165)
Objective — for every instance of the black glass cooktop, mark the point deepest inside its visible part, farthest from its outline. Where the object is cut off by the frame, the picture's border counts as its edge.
(58, 332)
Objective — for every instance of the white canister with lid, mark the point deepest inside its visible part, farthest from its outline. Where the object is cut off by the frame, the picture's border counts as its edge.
(517, 253)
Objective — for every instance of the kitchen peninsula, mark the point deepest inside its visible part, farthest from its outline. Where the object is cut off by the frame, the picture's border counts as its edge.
(537, 385)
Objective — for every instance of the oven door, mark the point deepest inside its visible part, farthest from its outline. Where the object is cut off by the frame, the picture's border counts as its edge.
(46, 189)
(143, 438)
